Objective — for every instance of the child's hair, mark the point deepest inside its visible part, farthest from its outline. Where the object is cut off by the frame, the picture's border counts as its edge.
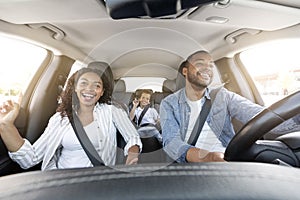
(145, 91)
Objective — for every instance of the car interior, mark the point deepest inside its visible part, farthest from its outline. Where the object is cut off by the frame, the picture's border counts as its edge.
(144, 40)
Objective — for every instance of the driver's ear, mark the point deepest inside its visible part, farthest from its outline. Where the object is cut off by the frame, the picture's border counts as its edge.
(184, 71)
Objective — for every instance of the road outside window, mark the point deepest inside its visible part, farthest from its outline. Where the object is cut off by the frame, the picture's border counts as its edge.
(19, 61)
(275, 68)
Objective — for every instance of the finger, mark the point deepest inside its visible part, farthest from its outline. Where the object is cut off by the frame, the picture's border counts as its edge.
(2, 110)
(133, 161)
(20, 97)
(9, 103)
(8, 106)
(16, 106)
(5, 105)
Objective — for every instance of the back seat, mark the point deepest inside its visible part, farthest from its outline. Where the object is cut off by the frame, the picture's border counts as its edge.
(120, 95)
(169, 87)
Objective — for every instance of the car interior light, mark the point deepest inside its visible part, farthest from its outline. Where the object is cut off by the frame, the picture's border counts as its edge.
(217, 20)
(222, 4)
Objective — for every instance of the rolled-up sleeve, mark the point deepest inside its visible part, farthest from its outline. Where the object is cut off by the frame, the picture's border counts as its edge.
(126, 128)
(25, 156)
(173, 144)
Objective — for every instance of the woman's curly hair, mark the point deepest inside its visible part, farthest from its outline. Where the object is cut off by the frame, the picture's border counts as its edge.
(69, 99)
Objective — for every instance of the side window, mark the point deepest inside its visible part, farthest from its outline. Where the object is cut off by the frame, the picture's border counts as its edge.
(275, 68)
(19, 61)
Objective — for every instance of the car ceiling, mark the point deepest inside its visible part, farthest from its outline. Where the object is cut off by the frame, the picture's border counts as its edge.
(85, 31)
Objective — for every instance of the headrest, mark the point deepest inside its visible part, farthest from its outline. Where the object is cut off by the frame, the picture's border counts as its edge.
(169, 86)
(180, 79)
(120, 86)
(104, 67)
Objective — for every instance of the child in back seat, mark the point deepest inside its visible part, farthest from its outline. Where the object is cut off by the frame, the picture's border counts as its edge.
(145, 117)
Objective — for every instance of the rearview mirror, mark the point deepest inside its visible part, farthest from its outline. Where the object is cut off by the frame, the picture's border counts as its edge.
(121, 9)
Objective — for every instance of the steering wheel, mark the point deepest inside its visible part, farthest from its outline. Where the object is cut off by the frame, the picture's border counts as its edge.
(261, 124)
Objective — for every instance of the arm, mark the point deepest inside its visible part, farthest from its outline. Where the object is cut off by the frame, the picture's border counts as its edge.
(132, 112)
(199, 155)
(155, 115)
(237, 103)
(240, 107)
(128, 132)
(9, 133)
(156, 119)
(170, 122)
(133, 154)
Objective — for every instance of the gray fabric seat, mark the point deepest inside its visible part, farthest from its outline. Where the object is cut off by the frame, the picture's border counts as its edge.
(169, 87)
(120, 95)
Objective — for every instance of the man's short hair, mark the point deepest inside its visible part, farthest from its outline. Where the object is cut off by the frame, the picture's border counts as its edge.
(195, 53)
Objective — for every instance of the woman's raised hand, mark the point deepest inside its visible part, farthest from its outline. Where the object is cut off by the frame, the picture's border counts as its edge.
(9, 110)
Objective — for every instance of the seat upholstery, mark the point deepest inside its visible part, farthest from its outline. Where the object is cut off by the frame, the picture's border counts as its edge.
(119, 93)
(180, 79)
(169, 87)
(120, 86)
(106, 69)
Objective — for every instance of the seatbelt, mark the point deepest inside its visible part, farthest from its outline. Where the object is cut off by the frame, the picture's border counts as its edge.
(85, 142)
(202, 117)
(142, 114)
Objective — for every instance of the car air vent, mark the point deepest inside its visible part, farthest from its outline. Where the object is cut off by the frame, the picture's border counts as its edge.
(151, 8)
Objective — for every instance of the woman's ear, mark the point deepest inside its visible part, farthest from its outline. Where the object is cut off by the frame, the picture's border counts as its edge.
(102, 92)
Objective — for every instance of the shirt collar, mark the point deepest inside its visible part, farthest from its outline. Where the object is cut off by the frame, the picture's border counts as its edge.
(183, 97)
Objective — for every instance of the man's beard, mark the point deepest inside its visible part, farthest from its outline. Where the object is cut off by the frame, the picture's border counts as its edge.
(195, 81)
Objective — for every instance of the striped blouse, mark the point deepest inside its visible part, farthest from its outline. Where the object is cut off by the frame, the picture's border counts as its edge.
(47, 148)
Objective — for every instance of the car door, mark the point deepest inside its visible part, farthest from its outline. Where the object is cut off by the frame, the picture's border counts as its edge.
(38, 75)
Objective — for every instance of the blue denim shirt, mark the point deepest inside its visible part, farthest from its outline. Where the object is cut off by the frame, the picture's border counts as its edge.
(175, 115)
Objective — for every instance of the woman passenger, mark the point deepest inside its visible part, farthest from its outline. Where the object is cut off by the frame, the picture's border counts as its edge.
(86, 94)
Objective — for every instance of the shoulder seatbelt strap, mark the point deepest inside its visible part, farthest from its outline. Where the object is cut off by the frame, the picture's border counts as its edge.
(142, 114)
(200, 122)
(202, 117)
(85, 142)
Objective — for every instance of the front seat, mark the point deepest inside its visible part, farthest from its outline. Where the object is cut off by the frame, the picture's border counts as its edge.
(106, 69)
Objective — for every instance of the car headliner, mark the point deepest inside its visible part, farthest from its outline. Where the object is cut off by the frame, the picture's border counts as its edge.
(85, 31)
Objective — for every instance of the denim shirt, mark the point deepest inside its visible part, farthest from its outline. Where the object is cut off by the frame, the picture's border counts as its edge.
(175, 115)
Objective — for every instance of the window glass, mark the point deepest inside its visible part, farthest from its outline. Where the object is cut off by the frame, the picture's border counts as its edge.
(19, 61)
(134, 83)
(275, 68)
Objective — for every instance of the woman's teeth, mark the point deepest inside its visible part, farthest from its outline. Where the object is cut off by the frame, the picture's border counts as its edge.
(88, 96)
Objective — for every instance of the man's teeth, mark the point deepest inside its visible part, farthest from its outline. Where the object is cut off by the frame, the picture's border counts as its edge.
(204, 75)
